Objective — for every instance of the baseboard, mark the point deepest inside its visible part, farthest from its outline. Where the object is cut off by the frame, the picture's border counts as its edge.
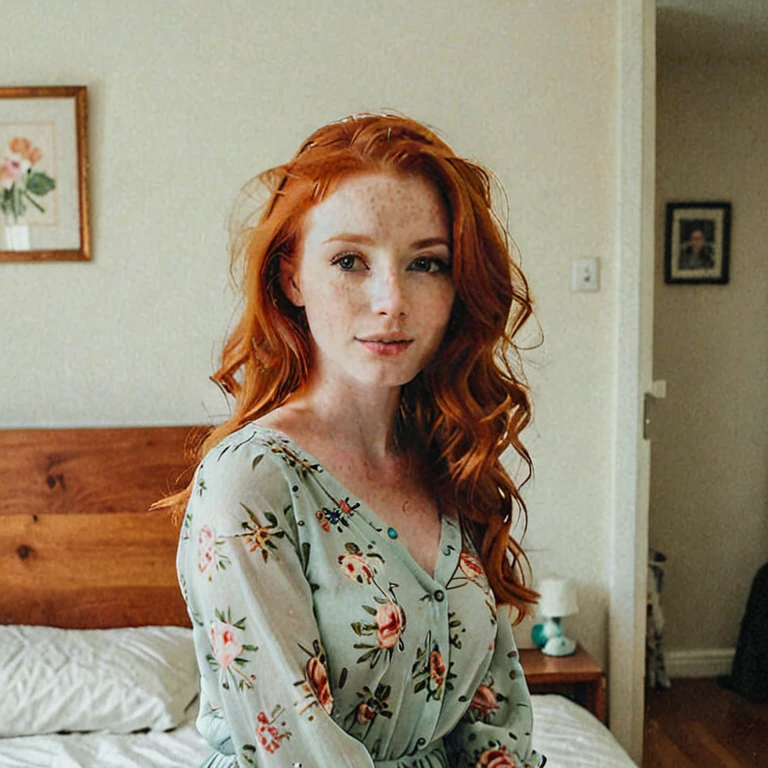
(702, 662)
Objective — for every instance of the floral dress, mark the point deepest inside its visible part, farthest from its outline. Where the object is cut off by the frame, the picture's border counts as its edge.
(319, 638)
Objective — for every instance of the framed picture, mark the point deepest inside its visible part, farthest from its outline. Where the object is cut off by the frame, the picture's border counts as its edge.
(43, 174)
(698, 242)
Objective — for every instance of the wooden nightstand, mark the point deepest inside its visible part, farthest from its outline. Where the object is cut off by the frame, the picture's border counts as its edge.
(577, 676)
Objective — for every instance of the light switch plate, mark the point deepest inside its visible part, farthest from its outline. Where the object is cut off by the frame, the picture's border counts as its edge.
(585, 275)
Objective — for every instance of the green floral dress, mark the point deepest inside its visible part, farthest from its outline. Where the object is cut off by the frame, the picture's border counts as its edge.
(321, 641)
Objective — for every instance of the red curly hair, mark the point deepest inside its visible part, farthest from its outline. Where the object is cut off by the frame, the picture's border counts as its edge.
(468, 405)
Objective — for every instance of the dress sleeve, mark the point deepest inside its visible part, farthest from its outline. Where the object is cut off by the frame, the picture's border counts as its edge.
(264, 680)
(496, 728)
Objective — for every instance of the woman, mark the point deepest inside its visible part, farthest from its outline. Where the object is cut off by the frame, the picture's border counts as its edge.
(346, 537)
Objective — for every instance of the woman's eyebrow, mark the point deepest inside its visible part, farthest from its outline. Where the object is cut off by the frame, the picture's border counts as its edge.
(350, 237)
(430, 241)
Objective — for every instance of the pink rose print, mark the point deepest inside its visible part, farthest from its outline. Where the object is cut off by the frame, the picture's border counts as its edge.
(390, 621)
(496, 758)
(356, 567)
(436, 668)
(10, 172)
(268, 734)
(223, 644)
(317, 676)
(471, 566)
(365, 713)
(206, 549)
(484, 700)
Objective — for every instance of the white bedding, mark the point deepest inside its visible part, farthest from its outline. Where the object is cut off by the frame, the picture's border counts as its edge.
(572, 737)
(118, 680)
(154, 749)
(568, 735)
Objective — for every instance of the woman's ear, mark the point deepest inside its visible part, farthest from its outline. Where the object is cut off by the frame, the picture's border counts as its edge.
(289, 281)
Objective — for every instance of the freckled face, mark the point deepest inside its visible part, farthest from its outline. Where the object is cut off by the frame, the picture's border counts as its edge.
(373, 273)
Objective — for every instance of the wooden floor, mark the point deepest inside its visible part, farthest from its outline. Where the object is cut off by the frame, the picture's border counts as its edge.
(697, 724)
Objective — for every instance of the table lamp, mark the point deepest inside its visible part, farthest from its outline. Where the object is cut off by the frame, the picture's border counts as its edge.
(558, 599)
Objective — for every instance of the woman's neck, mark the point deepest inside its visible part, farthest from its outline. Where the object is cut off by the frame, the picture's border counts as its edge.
(359, 421)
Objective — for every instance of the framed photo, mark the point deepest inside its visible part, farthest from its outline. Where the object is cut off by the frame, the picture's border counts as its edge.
(43, 174)
(698, 242)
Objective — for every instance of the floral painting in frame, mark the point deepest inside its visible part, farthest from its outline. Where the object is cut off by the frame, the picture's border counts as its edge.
(43, 174)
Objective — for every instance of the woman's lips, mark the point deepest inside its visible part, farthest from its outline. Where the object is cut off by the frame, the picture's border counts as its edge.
(386, 348)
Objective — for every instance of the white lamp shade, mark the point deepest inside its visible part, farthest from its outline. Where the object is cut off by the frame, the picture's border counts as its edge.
(558, 597)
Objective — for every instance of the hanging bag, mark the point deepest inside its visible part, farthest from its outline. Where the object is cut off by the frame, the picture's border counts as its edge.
(749, 674)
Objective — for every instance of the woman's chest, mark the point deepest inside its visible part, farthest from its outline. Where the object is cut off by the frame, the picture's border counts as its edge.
(403, 508)
(381, 616)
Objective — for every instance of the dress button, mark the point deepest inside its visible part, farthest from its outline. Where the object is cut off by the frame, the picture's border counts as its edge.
(439, 595)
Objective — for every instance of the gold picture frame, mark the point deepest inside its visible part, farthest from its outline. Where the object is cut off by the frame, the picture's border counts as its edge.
(44, 174)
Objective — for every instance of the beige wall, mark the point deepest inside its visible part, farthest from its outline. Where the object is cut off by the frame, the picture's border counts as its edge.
(188, 100)
(709, 488)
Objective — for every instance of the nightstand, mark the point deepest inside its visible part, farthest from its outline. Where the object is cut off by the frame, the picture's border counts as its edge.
(579, 677)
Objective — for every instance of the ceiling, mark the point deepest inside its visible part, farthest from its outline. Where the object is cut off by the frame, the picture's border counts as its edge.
(730, 29)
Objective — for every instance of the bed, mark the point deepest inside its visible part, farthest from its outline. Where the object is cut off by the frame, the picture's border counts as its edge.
(97, 666)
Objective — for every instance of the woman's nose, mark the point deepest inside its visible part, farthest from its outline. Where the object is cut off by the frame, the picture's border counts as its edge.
(389, 295)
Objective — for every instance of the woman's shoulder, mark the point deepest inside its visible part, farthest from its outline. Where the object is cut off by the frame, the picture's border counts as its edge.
(250, 439)
(242, 488)
(247, 466)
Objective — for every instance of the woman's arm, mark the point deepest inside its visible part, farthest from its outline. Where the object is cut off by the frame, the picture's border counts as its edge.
(266, 697)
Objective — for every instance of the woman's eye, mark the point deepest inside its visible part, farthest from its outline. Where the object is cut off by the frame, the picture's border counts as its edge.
(430, 264)
(348, 262)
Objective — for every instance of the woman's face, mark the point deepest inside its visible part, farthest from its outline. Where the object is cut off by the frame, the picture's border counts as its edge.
(373, 272)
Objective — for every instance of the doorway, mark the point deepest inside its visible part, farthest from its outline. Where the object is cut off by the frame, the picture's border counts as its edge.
(709, 474)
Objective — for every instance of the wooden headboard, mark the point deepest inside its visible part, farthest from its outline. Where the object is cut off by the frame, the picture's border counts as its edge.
(79, 547)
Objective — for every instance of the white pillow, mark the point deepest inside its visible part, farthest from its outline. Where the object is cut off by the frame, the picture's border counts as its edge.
(117, 680)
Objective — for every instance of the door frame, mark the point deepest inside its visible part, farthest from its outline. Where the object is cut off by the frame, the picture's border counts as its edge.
(634, 349)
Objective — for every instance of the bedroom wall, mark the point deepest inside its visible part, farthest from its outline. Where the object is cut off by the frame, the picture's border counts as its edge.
(188, 100)
(709, 488)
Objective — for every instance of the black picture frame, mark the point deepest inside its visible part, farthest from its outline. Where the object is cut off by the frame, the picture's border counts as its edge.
(697, 245)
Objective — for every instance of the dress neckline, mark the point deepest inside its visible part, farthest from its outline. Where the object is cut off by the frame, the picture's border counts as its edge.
(449, 544)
